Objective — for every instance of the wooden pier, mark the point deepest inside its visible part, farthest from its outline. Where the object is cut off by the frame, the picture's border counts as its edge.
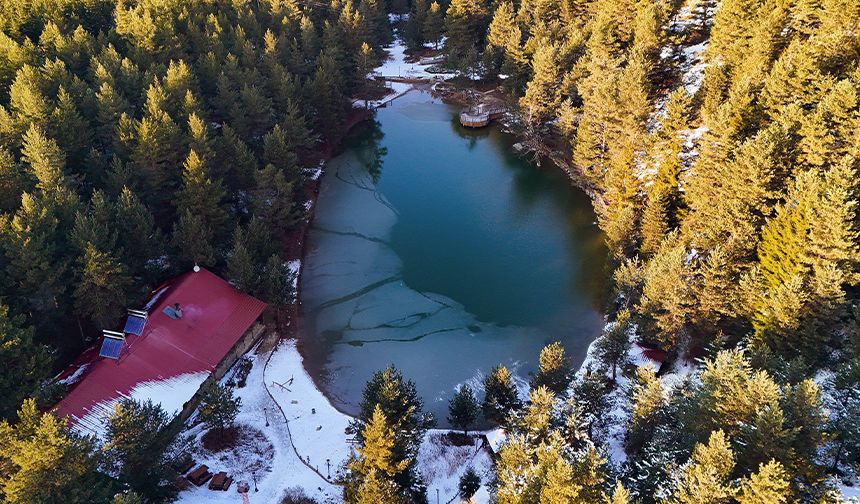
(481, 115)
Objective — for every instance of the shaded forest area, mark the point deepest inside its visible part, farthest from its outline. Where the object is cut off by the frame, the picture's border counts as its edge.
(138, 139)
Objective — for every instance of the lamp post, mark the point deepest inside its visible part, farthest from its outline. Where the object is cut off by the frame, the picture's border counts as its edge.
(266, 416)
(254, 477)
(328, 468)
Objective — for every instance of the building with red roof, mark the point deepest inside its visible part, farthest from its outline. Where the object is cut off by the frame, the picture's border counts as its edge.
(193, 327)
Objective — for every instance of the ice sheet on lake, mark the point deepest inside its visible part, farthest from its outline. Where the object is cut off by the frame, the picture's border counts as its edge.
(355, 298)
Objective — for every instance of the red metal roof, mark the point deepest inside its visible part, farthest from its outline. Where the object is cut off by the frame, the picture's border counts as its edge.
(214, 318)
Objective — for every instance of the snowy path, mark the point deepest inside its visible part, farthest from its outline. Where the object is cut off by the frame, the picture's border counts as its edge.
(317, 428)
(285, 470)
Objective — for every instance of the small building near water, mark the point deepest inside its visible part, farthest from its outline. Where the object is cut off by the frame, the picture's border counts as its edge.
(193, 329)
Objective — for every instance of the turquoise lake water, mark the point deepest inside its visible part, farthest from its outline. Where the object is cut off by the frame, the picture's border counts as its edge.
(440, 251)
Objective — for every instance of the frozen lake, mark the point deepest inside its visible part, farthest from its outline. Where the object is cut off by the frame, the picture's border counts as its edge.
(438, 250)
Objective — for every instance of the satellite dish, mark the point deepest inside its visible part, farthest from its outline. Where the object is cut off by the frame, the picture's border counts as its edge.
(196, 269)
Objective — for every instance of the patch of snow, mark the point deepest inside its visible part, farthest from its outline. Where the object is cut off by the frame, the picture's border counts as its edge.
(313, 173)
(496, 437)
(171, 393)
(442, 465)
(74, 377)
(694, 73)
(295, 269)
(681, 370)
(294, 426)
(396, 66)
(850, 493)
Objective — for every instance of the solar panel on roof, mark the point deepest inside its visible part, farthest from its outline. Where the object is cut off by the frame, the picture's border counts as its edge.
(111, 348)
(134, 324)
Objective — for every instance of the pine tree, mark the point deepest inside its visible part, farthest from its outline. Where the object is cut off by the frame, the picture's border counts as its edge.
(466, 22)
(47, 162)
(397, 398)
(620, 495)
(327, 88)
(515, 472)
(96, 225)
(434, 24)
(142, 241)
(35, 266)
(278, 285)
(554, 369)
(192, 240)
(251, 115)
(71, 130)
(278, 152)
(240, 265)
(136, 440)
(157, 151)
(505, 34)
(600, 122)
(27, 102)
(413, 32)
(590, 393)
(768, 486)
(26, 363)
(705, 479)
(559, 484)
(127, 498)
(655, 220)
(219, 407)
(371, 472)
(100, 294)
(665, 294)
(201, 195)
(542, 97)
(44, 462)
(374, 488)
(13, 182)
(111, 106)
(613, 345)
(240, 161)
(469, 484)
(463, 409)
(648, 398)
(536, 417)
(274, 200)
(500, 395)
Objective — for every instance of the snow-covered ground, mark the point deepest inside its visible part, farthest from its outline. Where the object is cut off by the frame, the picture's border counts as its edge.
(851, 494)
(442, 465)
(396, 66)
(275, 464)
(318, 429)
(304, 430)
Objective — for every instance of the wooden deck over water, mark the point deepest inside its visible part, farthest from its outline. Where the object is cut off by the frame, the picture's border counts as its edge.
(481, 115)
